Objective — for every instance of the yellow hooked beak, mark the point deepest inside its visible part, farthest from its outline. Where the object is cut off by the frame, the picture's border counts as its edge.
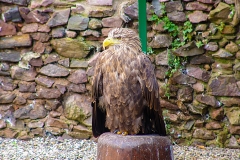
(109, 42)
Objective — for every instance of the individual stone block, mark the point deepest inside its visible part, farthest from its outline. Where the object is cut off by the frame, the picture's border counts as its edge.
(16, 41)
(59, 18)
(12, 15)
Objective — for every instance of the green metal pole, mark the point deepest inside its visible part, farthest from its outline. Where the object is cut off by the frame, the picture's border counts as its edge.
(142, 26)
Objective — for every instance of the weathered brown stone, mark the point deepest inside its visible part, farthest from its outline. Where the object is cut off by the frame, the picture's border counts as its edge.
(223, 86)
(160, 72)
(112, 22)
(162, 58)
(35, 124)
(64, 62)
(234, 130)
(7, 84)
(71, 48)
(47, 93)
(78, 88)
(77, 107)
(8, 133)
(2, 124)
(185, 94)
(52, 104)
(30, 28)
(27, 86)
(15, 41)
(59, 18)
(7, 29)
(173, 6)
(190, 49)
(54, 130)
(43, 28)
(168, 105)
(39, 47)
(222, 53)
(35, 16)
(23, 112)
(230, 101)
(75, 63)
(42, 37)
(180, 78)
(161, 41)
(233, 115)
(100, 12)
(197, 108)
(199, 123)
(58, 32)
(198, 73)
(7, 97)
(23, 74)
(55, 114)
(208, 100)
(77, 22)
(231, 47)
(232, 143)
(198, 87)
(177, 16)
(202, 59)
(203, 134)
(36, 62)
(220, 13)
(213, 125)
(192, 6)
(44, 81)
(53, 122)
(79, 76)
(197, 17)
(19, 100)
(54, 71)
(216, 114)
(131, 11)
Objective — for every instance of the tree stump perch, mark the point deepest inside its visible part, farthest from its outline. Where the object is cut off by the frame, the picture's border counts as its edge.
(134, 147)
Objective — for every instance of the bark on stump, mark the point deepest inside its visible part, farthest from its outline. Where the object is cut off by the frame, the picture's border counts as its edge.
(134, 147)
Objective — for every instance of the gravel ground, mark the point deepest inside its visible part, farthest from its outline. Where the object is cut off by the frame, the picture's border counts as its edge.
(73, 149)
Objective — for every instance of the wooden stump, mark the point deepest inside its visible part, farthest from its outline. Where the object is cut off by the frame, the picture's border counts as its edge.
(134, 147)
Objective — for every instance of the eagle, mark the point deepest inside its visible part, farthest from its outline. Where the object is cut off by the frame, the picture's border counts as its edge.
(125, 92)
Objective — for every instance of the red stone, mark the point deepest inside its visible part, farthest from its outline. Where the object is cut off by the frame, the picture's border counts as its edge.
(135, 147)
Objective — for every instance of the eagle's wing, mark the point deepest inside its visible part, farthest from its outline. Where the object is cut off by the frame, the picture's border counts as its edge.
(152, 115)
(98, 113)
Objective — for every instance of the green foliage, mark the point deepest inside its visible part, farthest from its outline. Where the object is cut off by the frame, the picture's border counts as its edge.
(221, 26)
(167, 90)
(177, 43)
(170, 26)
(150, 50)
(231, 14)
(187, 30)
(174, 63)
(199, 44)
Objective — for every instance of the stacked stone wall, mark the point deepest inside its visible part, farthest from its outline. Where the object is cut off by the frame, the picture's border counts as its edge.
(47, 50)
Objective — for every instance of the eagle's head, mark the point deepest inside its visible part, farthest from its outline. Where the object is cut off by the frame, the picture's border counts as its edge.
(122, 37)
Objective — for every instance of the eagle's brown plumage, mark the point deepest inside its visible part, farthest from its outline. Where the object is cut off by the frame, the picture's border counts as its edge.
(125, 90)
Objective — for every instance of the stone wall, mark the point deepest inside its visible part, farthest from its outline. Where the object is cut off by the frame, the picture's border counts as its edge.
(45, 66)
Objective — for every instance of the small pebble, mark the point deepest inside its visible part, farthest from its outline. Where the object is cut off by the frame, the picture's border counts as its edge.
(75, 149)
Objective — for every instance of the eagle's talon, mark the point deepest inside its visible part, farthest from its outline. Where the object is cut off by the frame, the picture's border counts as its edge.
(124, 133)
(118, 132)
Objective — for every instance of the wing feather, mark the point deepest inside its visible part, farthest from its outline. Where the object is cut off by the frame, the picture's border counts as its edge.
(152, 116)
